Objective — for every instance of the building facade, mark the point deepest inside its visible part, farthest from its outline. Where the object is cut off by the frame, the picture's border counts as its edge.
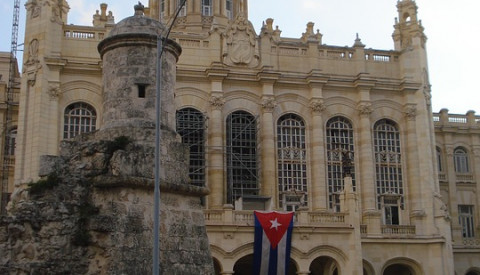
(343, 136)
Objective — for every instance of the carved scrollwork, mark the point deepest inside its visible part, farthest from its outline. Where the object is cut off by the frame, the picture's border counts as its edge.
(54, 90)
(268, 104)
(410, 112)
(217, 102)
(317, 106)
(365, 109)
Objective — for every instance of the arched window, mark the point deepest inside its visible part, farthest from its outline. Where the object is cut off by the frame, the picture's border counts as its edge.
(79, 118)
(242, 175)
(460, 158)
(191, 127)
(388, 169)
(292, 162)
(339, 134)
(207, 7)
(11, 142)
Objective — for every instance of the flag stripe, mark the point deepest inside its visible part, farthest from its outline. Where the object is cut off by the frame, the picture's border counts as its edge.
(265, 254)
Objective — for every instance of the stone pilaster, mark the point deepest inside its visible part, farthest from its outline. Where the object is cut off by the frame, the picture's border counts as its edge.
(268, 183)
(318, 182)
(215, 153)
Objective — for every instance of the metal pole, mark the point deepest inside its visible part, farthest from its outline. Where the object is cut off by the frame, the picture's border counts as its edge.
(156, 215)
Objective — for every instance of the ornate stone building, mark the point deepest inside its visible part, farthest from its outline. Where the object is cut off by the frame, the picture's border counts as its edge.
(277, 123)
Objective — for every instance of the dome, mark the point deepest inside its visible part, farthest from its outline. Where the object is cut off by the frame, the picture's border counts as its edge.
(137, 24)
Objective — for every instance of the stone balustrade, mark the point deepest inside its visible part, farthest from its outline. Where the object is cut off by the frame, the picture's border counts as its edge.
(83, 33)
(398, 230)
(445, 119)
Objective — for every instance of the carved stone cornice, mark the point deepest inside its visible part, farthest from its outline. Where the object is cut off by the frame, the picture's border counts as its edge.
(365, 108)
(217, 102)
(317, 106)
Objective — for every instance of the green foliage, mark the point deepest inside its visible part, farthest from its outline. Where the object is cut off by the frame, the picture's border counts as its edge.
(44, 184)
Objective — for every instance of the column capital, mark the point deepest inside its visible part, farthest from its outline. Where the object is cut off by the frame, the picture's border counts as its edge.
(54, 90)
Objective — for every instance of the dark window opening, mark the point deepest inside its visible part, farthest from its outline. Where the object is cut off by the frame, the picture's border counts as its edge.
(141, 90)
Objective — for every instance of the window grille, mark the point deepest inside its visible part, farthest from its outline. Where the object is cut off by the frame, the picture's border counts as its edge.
(339, 142)
(465, 217)
(388, 161)
(183, 11)
(291, 155)
(207, 7)
(229, 8)
(79, 118)
(439, 160)
(242, 166)
(460, 157)
(11, 142)
(191, 127)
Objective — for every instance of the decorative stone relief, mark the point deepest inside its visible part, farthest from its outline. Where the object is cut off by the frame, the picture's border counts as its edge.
(217, 102)
(54, 90)
(34, 8)
(268, 105)
(449, 151)
(410, 112)
(317, 106)
(32, 65)
(240, 44)
(365, 109)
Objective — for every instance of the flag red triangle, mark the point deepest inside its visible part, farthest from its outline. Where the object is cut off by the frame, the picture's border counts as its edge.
(274, 225)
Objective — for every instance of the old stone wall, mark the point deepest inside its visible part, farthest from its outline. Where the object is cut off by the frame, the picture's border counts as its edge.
(92, 213)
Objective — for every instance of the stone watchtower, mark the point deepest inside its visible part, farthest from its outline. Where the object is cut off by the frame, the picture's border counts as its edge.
(96, 199)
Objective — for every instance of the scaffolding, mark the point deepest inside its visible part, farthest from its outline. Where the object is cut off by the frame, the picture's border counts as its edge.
(9, 101)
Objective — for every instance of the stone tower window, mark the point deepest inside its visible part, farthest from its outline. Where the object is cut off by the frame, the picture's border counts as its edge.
(292, 161)
(388, 163)
(142, 88)
(79, 117)
(439, 159)
(460, 157)
(242, 175)
(191, 127)
(339, 135)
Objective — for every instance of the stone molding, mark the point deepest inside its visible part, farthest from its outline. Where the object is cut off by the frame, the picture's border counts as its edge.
(54, 90)
(268, 104)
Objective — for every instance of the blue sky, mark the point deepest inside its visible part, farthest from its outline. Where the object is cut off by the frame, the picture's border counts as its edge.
(451, 27)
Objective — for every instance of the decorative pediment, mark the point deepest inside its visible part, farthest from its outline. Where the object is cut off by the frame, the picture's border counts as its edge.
(240, 44)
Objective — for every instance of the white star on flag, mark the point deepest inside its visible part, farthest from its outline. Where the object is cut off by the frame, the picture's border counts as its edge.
(275, 224)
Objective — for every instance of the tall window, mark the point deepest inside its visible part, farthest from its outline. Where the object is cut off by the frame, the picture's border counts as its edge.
(207, 7)
(439, 160)
(183, 11)
(388, 169)
(242, 175)
(11, 142)
(162, 7)
(79, 118)
(292, 162)
(339, 147)
(229, 8)
(191, 127)
(460, 158)
(465, 217)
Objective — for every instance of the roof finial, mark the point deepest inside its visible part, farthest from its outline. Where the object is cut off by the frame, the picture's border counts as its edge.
(139, 9)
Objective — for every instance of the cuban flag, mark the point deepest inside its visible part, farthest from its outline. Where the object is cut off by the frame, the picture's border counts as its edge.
(273, 238)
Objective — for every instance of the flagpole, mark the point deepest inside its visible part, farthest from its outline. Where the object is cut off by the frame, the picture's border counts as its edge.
(158, 132)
